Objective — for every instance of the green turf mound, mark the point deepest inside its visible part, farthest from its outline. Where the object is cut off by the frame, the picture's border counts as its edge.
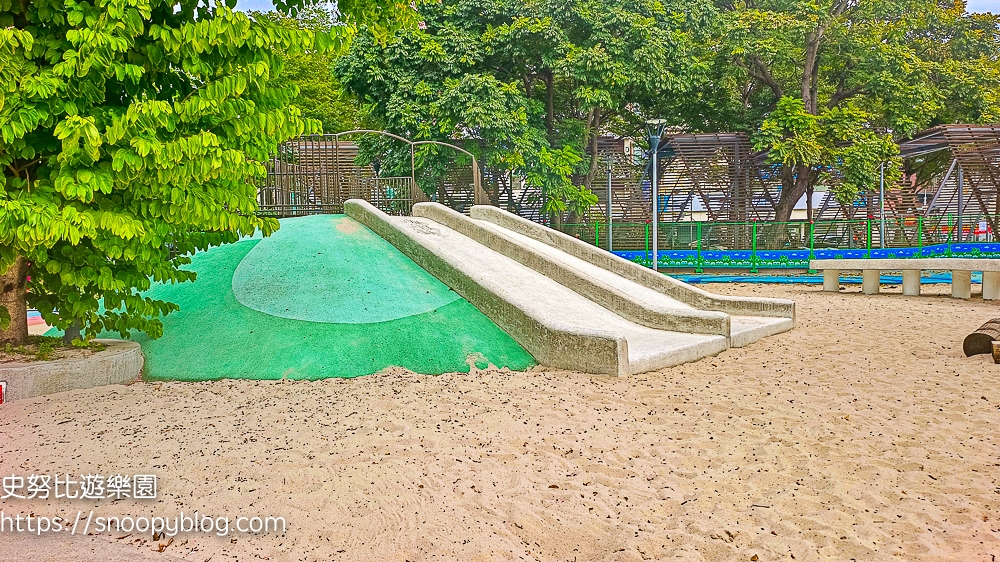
(359, 277)
(322, 297)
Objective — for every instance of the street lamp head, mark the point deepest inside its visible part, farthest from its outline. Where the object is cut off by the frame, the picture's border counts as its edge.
(654, 130)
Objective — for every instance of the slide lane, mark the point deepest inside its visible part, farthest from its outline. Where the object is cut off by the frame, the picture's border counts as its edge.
(567, 312)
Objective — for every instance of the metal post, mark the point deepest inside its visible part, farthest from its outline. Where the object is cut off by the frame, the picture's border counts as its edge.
(597, 234)
(920, 236)
(869, 238)
(699, 268)
(753, 252)
(654, 130)
(479, 197)
(339, 178)
(951, 233)
(881, 199)
(414, 198)
(961, 205)
(609, 204)
(645, 237)
(656, 205)
(812, 243)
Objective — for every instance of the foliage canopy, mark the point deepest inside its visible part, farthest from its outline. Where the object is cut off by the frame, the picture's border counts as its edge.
(532, 83)
(131, 133)
(829, 83)
(320, 95)
(826, 84)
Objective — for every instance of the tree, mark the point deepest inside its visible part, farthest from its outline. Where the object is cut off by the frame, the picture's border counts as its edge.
(800, 140)
(320, 97)
(131, 135)
(862, 71)
(532, 83)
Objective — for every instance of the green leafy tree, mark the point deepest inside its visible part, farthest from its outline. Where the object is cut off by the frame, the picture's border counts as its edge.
(862, 71)
(320, 97)
(131, 135)
(553, 176)
(529, 83)
(798, 139)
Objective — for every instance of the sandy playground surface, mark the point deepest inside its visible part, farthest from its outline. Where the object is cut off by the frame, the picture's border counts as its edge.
(864, 434)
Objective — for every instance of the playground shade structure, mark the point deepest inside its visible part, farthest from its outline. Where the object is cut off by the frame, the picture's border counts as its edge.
(321, 297)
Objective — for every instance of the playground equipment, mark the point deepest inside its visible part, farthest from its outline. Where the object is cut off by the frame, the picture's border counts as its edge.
(567, 303)
(717, 199)
(717, 174)
(951, 179)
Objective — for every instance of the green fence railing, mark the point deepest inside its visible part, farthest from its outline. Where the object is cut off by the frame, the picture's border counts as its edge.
(753, 245)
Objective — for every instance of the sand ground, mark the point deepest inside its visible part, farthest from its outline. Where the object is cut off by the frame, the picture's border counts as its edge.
(863, 434)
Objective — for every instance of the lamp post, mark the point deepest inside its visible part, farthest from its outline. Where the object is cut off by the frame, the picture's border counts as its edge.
(881, 205)
(654, 130)
(609, 204)
(961, 202)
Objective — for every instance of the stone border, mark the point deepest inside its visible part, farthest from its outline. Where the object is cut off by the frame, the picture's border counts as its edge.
(120, 363)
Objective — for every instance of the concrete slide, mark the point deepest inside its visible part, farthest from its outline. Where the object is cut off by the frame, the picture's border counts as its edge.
(572, 305)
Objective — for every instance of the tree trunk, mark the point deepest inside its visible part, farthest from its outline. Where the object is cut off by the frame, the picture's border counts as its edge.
(593, 131)
(71, 333)
(794, 182)
(550, 108)
(13, 283)
(809, 202)
(556, 221)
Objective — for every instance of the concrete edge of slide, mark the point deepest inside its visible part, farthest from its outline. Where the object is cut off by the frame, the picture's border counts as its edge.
(549, 344)
(699, 298)
(622, 304)
(773, 327)
(119, 363)
(710, 346)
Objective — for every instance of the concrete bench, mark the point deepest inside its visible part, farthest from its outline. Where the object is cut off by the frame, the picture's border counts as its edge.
(961, 274)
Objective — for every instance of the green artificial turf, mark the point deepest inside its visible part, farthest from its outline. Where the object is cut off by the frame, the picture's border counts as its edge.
(330, 268)
(322, 297)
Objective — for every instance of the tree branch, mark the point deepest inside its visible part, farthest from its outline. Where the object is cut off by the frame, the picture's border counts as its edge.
(814, 39)
(841, 95)
(23, 167)
(764, 76)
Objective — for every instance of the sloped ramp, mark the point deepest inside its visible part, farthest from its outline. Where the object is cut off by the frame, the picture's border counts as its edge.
(564, 301)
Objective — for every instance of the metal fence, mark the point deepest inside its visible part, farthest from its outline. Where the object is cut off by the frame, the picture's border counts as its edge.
(317, 173)
(789, 245)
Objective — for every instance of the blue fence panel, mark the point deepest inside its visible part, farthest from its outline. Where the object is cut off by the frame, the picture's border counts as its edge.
(799, 259)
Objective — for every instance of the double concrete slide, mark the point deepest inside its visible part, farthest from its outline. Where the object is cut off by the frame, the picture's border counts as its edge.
(572, 305)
